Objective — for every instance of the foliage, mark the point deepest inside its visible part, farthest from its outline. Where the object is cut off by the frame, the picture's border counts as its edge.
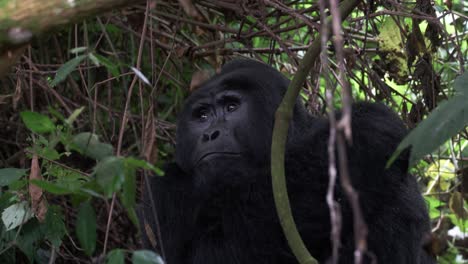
(96, 104)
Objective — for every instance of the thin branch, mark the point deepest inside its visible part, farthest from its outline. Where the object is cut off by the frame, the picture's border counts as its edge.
(282, 118)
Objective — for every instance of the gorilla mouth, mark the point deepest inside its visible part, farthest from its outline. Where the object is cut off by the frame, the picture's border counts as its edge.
(216, 154)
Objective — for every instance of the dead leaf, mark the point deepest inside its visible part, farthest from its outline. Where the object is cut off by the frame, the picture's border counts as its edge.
(38, 204)
(456, 205)
(17, 95)
(181, 51)
(190, 9)
(150, 234)
(150, 149)
(198, 78)
(3, 98)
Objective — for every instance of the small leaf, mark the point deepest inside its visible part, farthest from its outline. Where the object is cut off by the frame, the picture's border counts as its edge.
(110, 174)
(444, 122)
(146, 257)
(116, 256)
(37, 123)
(9, 175)
(140, 75)
(66, 69)
(74, 116)
(138, 163)
(16, 215)
(86, 228)
(48, 153)
(56, 113)
(89, 145)
(110, 66)
(94, 59)
(78, 50)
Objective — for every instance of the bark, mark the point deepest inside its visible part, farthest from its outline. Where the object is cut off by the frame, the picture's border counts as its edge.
(21, 20)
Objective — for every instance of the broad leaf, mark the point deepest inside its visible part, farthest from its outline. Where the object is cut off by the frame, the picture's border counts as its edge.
(37, 123)
(16, 215)
(89, 145)
(116, 256)
(444, 122)
(110, 174)
(86, 228)
(9, 175)
(27, 242)
(54, 227)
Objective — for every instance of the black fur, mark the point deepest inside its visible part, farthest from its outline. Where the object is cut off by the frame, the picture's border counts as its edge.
(224, 212)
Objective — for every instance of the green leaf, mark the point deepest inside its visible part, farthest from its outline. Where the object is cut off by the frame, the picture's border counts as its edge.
(128, 194)
(66, 69)
(50, 187)
(94, 59)
(146, 257)
(16, 215)
(18, 185)
(434, 206)
(56, 113)
(9, 175)
(74, 116)
(27, 241)
(48, 153)
(111, 66)
(444, 122)
(89, 145)
(54, 227)
(138, 163)
(110, 174)
(37, 123)
(116, 256)
(86, 228)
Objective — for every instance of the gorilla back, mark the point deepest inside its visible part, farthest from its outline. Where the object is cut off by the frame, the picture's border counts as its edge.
(215, 202)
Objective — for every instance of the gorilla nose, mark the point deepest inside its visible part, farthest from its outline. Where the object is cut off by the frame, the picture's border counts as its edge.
(211, 135)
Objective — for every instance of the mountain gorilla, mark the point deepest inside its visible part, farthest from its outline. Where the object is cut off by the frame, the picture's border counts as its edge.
(215, 202)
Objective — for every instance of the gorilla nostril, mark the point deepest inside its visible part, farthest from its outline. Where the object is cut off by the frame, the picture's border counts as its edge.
(205, 137)
(214, 135)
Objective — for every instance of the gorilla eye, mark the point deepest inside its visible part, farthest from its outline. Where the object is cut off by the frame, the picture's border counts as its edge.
(230, 107)
(201, 114)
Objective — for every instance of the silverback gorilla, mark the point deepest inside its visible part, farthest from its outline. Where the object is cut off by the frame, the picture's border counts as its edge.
(215, 203)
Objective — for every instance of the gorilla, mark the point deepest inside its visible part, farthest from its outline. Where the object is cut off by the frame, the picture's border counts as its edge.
(215, 203)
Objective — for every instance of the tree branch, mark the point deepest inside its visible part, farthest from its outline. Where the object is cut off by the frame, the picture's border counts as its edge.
(21, 20)
(283, 116)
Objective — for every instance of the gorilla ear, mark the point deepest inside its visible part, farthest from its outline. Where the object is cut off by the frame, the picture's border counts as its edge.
(198, 78)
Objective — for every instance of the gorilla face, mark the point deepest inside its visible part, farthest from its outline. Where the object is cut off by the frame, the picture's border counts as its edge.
(223, 126)
(224, 131)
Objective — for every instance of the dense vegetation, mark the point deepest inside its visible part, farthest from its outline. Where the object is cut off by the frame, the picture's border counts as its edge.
(88, 112)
